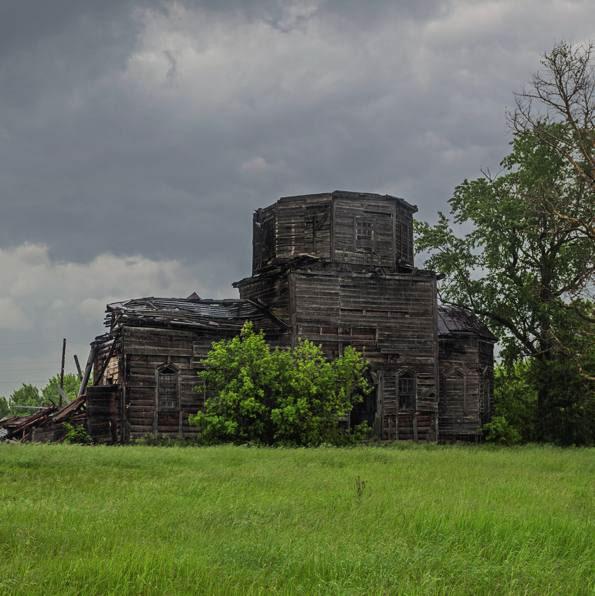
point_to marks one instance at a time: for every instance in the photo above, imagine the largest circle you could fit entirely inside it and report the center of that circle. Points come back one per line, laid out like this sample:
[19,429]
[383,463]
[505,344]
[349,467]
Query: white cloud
[29,274]
[12,315]
[43,299]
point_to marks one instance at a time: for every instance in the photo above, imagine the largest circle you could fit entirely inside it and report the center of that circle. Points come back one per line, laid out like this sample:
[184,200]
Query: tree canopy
[518,248]
[27,398]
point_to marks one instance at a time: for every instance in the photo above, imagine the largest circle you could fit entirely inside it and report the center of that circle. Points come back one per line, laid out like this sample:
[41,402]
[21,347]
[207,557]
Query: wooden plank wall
[391,319]
[141,352]
[147,349]
[264,224]
[348,215]
[103,415]
[330,228]
[104,350]
[270,289]
[466,382]
[304,227]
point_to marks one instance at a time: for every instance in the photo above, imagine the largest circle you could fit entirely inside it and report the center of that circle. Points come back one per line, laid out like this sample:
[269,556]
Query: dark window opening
[407,391]
[167,389]
[364,234]
[406,246]
[267,240]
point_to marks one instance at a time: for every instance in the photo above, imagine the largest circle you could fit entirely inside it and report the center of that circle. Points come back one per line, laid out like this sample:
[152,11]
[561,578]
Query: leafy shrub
[281,396]
[500,431]
[76,433]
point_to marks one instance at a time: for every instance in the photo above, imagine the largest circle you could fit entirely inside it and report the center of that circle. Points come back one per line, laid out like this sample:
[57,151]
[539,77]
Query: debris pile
[47,424]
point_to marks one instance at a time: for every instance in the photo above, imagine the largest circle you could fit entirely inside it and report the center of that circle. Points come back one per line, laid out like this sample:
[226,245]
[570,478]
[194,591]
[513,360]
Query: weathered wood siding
[293,227]
[270,289]
[466,381]
[104,413]
[264,224]
[391,320]
[142,352]
[364,232]
[359,229]
[146,350]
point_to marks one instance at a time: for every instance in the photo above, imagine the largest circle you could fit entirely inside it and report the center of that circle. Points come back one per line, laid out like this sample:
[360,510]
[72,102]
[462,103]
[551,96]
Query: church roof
[352,195]
[229,314]
[455,320]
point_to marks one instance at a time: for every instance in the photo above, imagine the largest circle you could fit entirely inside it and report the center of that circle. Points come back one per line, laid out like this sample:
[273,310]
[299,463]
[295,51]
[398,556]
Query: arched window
[407,390]
[167,388]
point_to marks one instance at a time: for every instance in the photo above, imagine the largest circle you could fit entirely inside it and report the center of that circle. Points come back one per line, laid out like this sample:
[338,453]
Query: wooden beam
[87,374]
[62,369]
[78,367]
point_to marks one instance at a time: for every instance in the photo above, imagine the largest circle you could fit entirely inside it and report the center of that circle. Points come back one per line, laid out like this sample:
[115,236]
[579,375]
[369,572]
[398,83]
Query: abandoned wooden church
[336,268]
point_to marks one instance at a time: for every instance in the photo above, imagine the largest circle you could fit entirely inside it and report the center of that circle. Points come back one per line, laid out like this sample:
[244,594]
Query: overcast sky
[137,137]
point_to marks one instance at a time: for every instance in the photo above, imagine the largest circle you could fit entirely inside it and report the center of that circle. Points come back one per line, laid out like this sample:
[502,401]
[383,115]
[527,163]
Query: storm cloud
[137,137]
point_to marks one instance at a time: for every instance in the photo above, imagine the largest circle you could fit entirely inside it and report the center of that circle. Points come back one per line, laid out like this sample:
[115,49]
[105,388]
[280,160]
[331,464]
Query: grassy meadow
[404,519]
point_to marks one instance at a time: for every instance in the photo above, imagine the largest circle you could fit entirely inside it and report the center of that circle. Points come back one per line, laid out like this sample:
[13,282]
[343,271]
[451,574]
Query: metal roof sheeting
[221,314]
[453,320]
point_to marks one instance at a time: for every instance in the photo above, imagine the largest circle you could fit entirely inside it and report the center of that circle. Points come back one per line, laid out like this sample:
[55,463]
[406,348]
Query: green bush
[500,431]
[76,433]
[278,396]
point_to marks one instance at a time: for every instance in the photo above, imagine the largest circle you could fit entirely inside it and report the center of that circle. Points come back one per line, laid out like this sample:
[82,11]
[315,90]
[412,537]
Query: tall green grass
[226,520]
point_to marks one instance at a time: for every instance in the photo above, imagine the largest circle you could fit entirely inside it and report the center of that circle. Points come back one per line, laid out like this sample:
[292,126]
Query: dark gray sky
[137,137]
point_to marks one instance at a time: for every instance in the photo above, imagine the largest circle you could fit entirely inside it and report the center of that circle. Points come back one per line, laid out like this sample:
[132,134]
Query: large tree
[518,248]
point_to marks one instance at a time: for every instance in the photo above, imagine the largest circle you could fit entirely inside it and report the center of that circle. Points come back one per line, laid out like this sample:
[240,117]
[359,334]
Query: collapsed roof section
[224,315]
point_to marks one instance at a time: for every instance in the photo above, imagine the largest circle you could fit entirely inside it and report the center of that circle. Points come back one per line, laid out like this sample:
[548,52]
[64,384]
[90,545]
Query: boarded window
[167,389]
[364,233]
[454,391]
[407,391]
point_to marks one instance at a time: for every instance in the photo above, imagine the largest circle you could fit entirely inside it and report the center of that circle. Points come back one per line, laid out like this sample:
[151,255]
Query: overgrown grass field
[226,520]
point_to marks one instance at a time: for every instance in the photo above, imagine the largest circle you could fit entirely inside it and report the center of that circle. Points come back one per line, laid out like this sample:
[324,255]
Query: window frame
[364,242]
[410,376]
[175,386]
